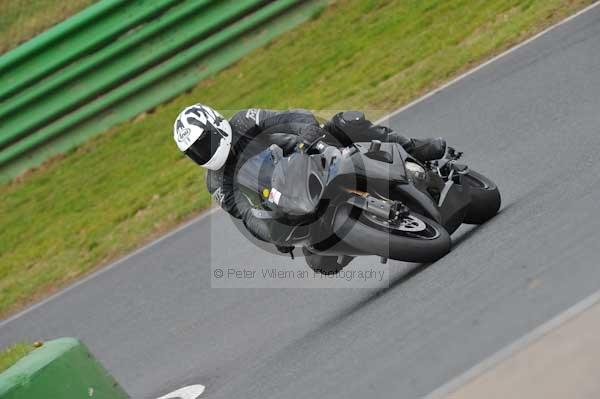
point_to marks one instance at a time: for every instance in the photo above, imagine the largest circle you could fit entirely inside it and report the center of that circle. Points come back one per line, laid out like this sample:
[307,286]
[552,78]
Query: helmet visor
[205,147]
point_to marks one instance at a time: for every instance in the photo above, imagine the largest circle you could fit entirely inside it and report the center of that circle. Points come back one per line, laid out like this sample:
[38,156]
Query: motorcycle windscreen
[292,185]
[254,177]
[298,182]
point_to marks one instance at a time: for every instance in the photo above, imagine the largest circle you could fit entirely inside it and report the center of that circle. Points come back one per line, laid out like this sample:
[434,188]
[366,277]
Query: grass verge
[20,20]
[130,184]
[13,353]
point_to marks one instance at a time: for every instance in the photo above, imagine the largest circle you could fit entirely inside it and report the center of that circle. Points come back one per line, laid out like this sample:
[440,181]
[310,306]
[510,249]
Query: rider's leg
[352,126]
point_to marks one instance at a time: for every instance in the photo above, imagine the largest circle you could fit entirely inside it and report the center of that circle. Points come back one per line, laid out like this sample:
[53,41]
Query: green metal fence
[118,58]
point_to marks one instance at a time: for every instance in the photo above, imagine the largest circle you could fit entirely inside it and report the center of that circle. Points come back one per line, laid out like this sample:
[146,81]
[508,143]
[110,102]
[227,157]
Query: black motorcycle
[366,199]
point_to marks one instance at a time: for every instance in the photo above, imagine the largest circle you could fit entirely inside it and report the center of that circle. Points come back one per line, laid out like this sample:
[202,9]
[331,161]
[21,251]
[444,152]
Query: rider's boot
[427,149]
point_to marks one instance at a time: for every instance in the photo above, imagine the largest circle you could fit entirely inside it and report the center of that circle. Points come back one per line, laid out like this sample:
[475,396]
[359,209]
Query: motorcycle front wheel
[414,239]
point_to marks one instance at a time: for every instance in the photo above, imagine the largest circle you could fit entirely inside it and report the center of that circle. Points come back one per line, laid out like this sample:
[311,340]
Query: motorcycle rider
[222,146]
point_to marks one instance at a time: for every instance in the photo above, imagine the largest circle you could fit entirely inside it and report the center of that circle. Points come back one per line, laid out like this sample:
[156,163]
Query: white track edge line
[514,347]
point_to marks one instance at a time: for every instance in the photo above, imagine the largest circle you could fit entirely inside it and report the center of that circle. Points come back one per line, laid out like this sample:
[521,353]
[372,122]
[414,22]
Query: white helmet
[203,135]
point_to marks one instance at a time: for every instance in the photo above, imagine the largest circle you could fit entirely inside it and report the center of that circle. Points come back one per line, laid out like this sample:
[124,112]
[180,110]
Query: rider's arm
[221,195]
[253,122]
[272,127]
[227,195]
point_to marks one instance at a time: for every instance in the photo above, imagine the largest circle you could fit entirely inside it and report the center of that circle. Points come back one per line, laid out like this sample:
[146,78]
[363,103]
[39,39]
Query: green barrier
[102,56]
[62,368]
[87,31]
[128,64]
[61,31]
[145,67]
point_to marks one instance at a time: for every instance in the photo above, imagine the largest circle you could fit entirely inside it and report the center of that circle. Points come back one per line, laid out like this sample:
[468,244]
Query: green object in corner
[62,368]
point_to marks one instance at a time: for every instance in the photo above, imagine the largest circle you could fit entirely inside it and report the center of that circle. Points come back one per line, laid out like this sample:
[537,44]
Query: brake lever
[453,154]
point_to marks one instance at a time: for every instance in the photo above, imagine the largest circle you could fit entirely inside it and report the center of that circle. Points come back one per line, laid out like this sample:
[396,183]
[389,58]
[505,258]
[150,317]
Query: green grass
[20,20]
[129,184]
[12,354]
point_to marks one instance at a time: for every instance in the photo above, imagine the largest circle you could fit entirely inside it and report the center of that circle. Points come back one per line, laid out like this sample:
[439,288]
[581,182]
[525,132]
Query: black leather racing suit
[254,130]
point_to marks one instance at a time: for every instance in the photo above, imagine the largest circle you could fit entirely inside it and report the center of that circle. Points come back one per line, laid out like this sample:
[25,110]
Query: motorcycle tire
[369,234]
[485,198]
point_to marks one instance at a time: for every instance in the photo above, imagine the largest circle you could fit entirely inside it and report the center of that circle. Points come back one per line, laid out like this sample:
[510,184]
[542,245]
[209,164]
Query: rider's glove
[286,141]
[310,134]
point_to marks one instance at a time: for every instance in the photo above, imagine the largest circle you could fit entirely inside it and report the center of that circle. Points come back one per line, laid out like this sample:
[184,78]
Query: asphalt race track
[530,120]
